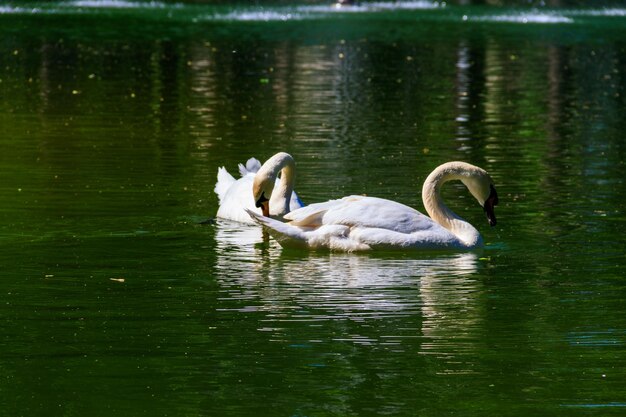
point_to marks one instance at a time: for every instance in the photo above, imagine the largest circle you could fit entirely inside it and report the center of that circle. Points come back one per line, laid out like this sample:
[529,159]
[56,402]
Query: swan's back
[225,180]
[362,211]
[236,198]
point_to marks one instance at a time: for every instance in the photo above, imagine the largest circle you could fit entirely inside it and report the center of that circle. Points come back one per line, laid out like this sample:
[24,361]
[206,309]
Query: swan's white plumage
[363,223]
[356,223]
[235,195]
[224,182]
[252,166]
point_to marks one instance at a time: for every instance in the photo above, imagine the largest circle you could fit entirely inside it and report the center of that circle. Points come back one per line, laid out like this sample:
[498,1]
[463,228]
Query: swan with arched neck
[237,195]
[359,223]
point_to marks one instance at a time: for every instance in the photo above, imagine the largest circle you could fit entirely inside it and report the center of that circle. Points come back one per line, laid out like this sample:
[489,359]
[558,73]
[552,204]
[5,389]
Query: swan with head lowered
[359,223]
[275,196]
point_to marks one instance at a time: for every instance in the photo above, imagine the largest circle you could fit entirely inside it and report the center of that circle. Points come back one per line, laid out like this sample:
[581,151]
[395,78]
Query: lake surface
[120,296]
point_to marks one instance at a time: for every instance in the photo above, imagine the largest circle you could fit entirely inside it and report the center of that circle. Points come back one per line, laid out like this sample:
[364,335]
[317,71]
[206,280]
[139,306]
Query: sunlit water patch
[119,4]
[538,18]
[378,6]
[18,10]
[423,11]
[608,12]
[259,16]
[596,405]
[85,7]
[597,338]
[315,12]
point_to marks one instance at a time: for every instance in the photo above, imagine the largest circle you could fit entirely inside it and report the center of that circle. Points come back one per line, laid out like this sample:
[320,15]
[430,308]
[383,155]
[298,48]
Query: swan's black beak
[264,204]
[491,202]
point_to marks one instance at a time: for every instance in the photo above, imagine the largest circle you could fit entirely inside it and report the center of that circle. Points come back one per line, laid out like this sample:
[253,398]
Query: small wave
[258,16]
[17,10]
[602,12]
[524,18]
[403,5]
[566,16]
[116,4]
[596,405]
[318,11]
[371,7]
[75,6]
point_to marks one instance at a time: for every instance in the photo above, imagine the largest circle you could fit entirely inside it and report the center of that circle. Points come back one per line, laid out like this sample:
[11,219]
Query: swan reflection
[437,294]
[237,237]
[452,320]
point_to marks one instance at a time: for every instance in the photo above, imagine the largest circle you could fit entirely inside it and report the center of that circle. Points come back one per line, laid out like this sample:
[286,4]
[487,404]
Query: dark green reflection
[119,298]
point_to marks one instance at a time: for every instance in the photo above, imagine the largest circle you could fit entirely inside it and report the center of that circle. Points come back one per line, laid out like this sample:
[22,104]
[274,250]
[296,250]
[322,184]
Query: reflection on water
[453,325]
[428,11]
[438,292]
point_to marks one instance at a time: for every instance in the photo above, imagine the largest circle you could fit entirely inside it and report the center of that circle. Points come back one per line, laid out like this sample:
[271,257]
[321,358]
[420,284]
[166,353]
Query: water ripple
[421,10]
[119,4]
[539,18]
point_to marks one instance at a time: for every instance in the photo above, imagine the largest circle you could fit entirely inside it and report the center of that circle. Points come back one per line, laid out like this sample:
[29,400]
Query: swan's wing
[224,182]
[237,198]
[362,211]
[251,167]
[315,210]
[372,212]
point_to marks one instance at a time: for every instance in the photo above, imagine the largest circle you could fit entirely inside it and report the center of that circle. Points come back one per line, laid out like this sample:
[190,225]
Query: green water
[119,298]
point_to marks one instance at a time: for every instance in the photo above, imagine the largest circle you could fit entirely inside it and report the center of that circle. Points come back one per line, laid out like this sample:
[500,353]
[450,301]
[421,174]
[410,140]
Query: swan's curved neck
[281,196]
[439,212]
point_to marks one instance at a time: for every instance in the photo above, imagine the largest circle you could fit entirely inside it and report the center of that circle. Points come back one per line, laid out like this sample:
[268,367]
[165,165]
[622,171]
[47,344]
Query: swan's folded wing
[311,211]
[224,182]
[237,197]
[372,212]
[314,220]
[362,211]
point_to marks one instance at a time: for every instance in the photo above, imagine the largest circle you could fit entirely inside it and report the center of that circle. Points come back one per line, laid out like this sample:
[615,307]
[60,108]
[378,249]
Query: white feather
[252,166]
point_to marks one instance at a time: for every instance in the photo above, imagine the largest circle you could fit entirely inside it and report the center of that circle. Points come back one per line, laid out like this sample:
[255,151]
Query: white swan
[358,223]
[236,195]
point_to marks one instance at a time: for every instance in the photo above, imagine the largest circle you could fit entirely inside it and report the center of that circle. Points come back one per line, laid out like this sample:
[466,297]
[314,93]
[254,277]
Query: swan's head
[265,180]
[262,189]
[480,185]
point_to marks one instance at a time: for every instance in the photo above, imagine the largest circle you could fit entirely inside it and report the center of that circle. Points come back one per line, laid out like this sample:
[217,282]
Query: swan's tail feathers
[285,234]
[251,167]
[224,182]
[258,218]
